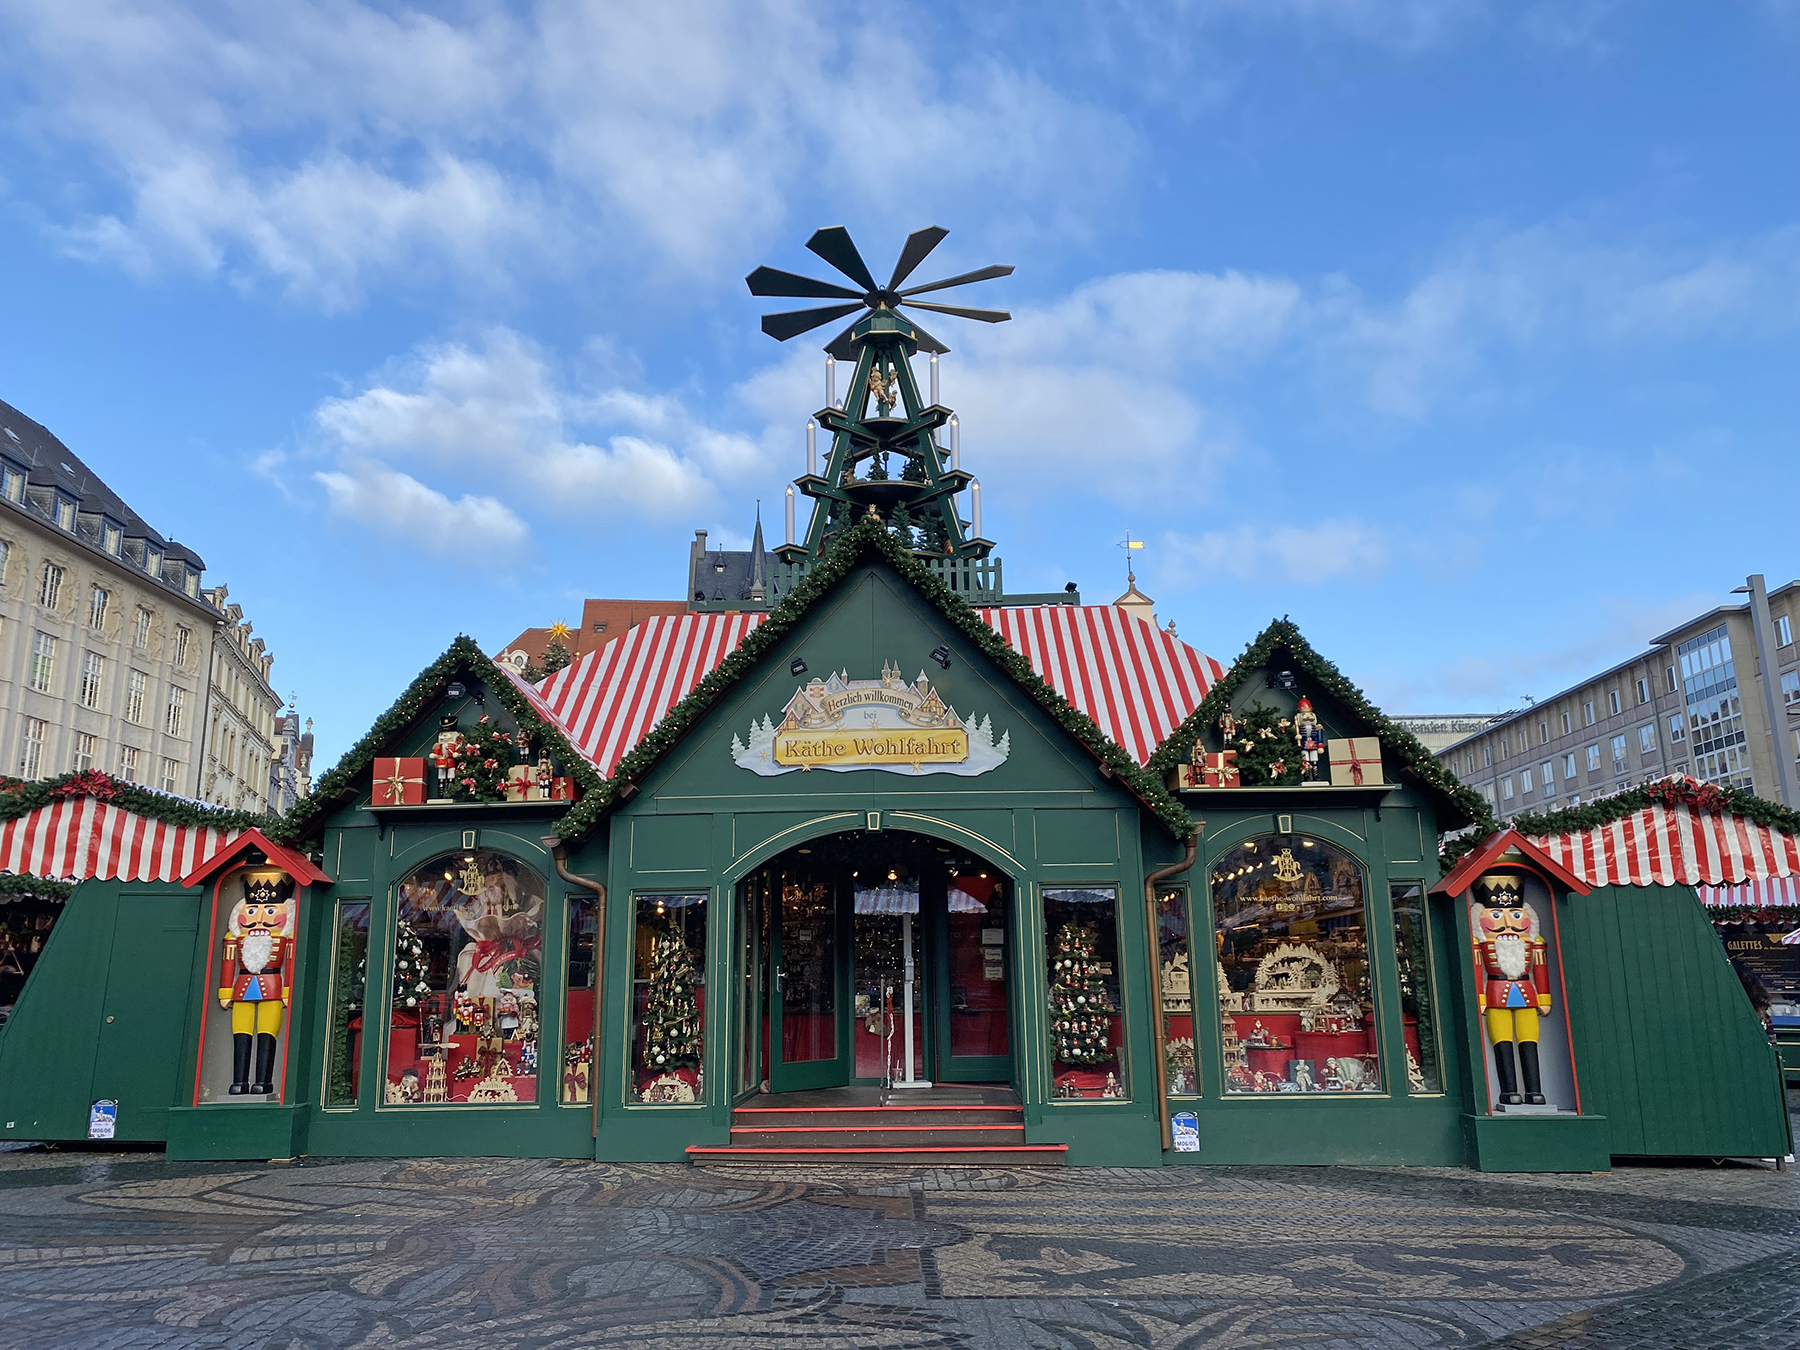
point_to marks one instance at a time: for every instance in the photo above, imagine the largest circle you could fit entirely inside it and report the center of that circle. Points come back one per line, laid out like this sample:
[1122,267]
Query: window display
[976,928]
[463,1016]
[578,1002]
[244,1051]
[1175,961]
[1296,1010]
[1087,1026]
[1418,1009]
[668,999]
[349,978]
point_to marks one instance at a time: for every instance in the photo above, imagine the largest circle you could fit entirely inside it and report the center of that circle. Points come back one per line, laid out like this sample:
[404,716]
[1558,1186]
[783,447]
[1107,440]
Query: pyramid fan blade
[841,347]
[773,281]
[794,322]
[927,343]
[833,245]
[918,246]
[985,315]
[979,274]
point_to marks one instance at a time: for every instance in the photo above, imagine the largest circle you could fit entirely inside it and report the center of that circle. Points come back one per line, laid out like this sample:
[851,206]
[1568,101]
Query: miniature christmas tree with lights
[672,1013]
[412,970]
[1079,1011]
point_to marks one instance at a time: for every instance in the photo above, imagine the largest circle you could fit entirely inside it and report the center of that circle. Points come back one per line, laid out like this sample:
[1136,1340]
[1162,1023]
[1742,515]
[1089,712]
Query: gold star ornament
[559,631]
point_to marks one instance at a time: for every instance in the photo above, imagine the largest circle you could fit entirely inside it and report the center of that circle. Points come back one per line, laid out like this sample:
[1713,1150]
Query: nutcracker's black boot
[1503,1067]
[240,1063]
[1528,1073]
[265,1065]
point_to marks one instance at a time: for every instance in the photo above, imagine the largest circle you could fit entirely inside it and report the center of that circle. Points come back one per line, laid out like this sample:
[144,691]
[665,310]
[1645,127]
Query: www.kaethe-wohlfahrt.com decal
[840,724]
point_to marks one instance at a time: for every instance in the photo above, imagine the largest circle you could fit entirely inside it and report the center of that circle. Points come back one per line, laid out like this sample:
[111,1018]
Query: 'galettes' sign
[839,723]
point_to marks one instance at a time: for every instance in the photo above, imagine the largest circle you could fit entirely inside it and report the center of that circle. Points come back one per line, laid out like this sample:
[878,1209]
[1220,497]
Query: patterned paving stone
[101,1250]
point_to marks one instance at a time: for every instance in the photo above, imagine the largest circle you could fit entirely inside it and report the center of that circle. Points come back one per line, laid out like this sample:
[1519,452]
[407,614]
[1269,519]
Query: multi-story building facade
[290,776]
[241,711]
[1693,703]
[105,636]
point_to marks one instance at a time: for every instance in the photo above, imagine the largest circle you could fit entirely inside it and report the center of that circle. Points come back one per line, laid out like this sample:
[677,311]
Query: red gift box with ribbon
[1220,770]
[1355,762]
[399,782]
[562,789]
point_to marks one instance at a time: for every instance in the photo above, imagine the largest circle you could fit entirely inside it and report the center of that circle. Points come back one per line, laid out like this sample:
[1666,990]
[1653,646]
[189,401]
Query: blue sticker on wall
[1184,1131]
[103,1119]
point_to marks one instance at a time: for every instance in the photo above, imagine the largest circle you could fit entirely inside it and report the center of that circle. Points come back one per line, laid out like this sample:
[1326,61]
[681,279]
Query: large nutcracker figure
[1309,735]
[258,965]
[1514,984]
[443,754]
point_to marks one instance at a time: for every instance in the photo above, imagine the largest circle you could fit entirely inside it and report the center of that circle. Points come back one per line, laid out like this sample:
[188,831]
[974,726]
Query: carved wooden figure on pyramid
[257,978]
[1513,988]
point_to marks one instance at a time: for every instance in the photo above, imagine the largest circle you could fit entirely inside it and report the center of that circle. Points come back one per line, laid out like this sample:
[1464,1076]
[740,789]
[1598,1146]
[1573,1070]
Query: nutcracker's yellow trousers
[262,1015]
[1512,1024]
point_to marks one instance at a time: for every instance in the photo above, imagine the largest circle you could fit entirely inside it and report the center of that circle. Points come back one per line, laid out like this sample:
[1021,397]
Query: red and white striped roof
[1675,845]
[1136,681]
[75,838]
[1766,893]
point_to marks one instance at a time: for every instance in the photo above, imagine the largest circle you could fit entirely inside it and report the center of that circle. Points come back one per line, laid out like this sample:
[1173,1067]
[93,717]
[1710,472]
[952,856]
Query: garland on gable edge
[1283,635]
[425,690]
[849,550]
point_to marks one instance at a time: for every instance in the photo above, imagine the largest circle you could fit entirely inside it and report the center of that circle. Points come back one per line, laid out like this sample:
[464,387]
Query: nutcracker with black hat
[1514,987]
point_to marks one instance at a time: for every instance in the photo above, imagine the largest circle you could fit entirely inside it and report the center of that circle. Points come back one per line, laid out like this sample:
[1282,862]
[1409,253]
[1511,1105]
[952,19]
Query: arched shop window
[668,998]
[1087,1023]
[467,969]
[1297,1014]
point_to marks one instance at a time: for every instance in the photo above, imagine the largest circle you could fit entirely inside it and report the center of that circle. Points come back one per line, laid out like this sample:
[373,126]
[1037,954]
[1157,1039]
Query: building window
[1543,733]
[1647,739]
[136,685]
[12,483]
[1563,718]
[1294,954]
[43,662]
[140,628]
[181,647]
[65,513]
[668,998]
[153,563]
[192,584]
[1087,1020]
[600,626]
[31,747]
[171,774]
[1677,728]
[128,763]
[1618,754]
[5,558]
[1612,701]
[1587,713]
[83,758]
[463,1013]
[577,1063]
[112,537]
[1593,758]
[1669,685]
[1487,754]
[1505,746]
[1715,713]
[349,978]
[1546,771]
[1487,793]
[1643,690]
[93,667]
[1784,631]
[1175,964]
[50,589]
[1569,766]
[1468,764]
[1525,781]
[1506,789]
[1418,1005]
[1790,687]
[97,603]
[175,719]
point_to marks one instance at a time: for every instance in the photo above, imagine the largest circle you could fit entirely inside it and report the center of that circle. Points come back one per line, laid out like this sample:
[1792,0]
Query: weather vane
[1128,543]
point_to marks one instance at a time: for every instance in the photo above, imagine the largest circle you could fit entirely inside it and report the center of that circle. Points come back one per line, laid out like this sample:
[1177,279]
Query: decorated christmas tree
[1078,1007]
[672,1014]
[1268,755]
[483,762]
[412,970]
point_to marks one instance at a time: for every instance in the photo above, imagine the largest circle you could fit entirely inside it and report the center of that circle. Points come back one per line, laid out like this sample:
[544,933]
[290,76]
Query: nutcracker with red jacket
[1309,735]
[443,753]
[257,977]
[1513,988]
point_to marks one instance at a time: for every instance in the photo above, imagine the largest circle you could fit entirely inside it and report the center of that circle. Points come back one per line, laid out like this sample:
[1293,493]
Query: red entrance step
[939,1135]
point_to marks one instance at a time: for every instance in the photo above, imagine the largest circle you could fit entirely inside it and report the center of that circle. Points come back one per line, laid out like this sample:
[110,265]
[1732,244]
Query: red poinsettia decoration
[88,783]
[1679,790]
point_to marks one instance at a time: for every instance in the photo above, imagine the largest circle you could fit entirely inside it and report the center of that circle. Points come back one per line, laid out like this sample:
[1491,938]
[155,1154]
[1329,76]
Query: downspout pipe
[559,854]
[1158,1026]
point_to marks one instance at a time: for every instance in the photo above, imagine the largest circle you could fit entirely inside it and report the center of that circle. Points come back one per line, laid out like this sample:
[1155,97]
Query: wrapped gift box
[562,789]
[399,782]
[1355,762]
[521,784]
[1220,770]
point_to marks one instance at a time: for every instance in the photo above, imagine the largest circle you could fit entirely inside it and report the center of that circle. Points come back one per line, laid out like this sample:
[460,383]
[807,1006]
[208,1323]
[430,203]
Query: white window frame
[181,645]
[43,662]
[175,715]
[1647,739]
[1547,771]
[1593,757]
[1618,747]
[34,734]
[1613,702]
[1784,631]
[93,677]
[140,628]
[1565,721]
[128,763]
[171,775]
[1587,713]
[81,751]
[99,602]
[137,685]
[50,586]
[1643,690]
[1569,766]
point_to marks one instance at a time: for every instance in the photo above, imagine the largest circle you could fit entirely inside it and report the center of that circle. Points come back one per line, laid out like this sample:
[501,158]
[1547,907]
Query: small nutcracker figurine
[259,963]
[1228,729]
[1310,737]
[443,753]
[1513,988]
[544,776]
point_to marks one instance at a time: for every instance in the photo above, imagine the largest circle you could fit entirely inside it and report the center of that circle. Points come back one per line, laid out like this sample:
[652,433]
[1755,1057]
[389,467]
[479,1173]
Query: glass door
[972,959]
[809,1041]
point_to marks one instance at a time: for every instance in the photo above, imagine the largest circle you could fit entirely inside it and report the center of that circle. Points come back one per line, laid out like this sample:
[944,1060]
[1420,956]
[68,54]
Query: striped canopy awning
[1764,893]
[887,900]
[1136,681]
[1675,845]
[76,838]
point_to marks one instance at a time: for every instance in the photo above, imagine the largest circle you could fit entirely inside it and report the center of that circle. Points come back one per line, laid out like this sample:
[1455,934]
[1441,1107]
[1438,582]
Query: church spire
[758,583]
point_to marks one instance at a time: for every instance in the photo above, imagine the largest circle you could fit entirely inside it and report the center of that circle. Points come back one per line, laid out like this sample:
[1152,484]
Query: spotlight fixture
[1280,679]
[1069,587]
[796,667]
[941,654]
[456,689]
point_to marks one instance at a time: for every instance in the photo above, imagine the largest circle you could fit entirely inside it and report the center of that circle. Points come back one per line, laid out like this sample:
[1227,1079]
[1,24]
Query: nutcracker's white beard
[1509,955]
[255,950]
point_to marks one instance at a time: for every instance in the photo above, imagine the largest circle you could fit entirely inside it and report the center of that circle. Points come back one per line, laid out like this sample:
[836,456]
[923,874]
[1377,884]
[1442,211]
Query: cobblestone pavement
[130,1250]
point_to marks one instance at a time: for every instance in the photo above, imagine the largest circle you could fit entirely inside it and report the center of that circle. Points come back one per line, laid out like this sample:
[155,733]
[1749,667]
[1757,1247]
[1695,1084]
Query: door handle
[780,974]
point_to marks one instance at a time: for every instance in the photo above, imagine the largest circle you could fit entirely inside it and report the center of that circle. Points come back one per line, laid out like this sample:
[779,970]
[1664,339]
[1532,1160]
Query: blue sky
[1463,333]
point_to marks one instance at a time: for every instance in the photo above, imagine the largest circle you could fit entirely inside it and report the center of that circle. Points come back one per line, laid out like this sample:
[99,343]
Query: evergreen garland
[19,797]
[43,887]
[463,658]
[412,969]
[1079,1011]
[1676,790]
[1268,755]
[671,1023]
[1281,647]
[852,546]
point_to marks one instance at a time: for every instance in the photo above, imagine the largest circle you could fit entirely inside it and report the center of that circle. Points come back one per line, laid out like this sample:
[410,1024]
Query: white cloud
[408,515]
[1306,555]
